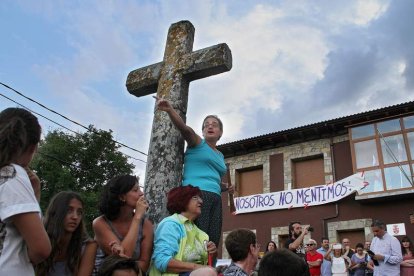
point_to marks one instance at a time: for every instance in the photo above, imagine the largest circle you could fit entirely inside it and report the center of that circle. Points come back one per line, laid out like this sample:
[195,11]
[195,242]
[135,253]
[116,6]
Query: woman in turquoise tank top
[204,167]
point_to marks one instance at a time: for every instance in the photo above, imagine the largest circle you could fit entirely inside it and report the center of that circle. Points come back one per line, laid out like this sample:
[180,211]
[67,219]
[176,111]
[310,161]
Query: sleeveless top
[100,254]
[204,167]
[339,266]
[360,271]
[60,269]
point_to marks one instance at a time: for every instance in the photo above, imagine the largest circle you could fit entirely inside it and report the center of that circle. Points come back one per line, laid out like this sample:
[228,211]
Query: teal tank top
[204,167]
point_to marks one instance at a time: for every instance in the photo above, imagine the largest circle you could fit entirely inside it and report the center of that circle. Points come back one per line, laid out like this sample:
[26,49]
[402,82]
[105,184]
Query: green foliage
[82,163]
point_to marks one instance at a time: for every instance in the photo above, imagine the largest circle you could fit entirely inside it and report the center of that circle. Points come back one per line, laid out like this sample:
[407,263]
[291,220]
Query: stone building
[377,143]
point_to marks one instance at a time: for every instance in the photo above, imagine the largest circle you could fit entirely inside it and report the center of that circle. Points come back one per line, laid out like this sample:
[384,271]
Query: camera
[310,228]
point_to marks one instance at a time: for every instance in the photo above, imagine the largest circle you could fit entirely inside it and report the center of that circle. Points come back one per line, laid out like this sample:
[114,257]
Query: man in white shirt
[386,250]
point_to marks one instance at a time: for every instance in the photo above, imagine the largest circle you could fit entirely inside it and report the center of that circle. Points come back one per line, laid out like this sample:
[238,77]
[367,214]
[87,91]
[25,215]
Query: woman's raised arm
[189,135]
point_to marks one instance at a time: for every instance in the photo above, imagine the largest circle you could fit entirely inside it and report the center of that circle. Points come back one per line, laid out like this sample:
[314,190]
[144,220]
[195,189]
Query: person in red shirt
[313,258]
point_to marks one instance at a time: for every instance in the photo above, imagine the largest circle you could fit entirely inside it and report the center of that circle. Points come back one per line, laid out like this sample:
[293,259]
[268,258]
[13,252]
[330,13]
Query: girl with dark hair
[23,239]
[407,249]
[204,167]
[73,253]
[180,247]
[271,246]
[360,264]
[121,230]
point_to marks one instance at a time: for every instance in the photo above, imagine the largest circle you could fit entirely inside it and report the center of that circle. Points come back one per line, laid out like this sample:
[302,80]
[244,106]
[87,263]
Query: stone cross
[171,78]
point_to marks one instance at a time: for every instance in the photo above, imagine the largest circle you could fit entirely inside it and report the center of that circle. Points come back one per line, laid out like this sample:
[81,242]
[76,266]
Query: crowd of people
[184,243]
[58,244]
[383,255]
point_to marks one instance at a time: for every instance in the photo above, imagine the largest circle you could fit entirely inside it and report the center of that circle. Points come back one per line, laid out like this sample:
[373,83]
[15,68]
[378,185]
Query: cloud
[269,60]
[368,61]
[88,82]
[359,13]
[364,66]
[294,62]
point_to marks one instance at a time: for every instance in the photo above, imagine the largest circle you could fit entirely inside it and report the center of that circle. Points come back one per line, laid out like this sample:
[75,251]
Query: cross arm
[208,61]
[144,81]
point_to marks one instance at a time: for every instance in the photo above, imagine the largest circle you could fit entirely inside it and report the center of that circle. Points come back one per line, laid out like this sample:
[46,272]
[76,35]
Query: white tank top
[338,266]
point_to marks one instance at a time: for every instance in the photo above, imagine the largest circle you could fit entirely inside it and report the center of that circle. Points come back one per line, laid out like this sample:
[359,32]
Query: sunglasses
[310,244]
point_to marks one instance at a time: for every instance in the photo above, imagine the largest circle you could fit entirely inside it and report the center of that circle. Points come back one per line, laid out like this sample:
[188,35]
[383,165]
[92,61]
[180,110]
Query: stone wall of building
[355,224]
[290,153]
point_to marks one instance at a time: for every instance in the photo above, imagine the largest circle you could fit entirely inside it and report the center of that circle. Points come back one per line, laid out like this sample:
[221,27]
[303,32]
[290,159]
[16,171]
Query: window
[363,131]
[410,137]
[384,151]
[397,177]
[366,154]
[388,126]
[393,149]
[374,178]
[249,181]
[308,172]
[409,122]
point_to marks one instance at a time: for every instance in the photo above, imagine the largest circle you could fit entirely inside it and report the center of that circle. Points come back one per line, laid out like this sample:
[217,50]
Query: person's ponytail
[19,129]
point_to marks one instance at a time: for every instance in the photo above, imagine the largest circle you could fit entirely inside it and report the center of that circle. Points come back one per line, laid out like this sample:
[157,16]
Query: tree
[82,163]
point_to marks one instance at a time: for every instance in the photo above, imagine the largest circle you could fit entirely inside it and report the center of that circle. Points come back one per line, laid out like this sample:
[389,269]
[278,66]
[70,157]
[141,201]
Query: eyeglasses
[197,198]
[214,125]
[310,244]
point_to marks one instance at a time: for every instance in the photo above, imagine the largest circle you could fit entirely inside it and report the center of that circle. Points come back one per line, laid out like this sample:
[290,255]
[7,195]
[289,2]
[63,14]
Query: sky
[294,62]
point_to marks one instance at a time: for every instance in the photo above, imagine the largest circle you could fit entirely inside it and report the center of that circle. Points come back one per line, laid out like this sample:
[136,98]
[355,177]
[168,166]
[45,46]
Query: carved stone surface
[171,79]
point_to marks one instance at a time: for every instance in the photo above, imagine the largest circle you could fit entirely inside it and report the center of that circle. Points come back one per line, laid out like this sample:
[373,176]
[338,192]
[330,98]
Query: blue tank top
[204,167]
[60,269]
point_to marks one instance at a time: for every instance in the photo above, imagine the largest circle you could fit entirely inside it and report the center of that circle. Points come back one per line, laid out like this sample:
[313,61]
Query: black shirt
[300,251]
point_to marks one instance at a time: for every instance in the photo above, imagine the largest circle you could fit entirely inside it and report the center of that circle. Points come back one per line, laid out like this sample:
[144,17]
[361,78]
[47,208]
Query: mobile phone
[376,263]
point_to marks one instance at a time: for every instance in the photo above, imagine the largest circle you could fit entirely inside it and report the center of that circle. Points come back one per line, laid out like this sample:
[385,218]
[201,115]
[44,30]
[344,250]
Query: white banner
[316,195]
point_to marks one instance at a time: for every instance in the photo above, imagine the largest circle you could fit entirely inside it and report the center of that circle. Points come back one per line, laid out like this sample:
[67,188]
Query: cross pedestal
[171,78]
